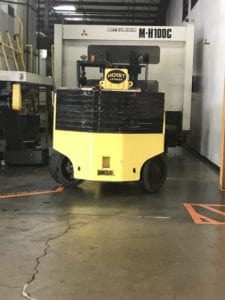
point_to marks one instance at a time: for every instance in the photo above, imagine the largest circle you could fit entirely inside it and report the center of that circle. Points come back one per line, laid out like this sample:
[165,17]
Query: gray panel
[121,54]
[25,77]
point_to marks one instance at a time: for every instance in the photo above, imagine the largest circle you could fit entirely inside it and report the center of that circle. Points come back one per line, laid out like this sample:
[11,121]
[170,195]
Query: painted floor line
[58,189]
[201,219]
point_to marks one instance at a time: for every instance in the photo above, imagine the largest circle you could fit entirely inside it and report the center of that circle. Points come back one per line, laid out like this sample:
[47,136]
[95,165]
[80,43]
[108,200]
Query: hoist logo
[116,76]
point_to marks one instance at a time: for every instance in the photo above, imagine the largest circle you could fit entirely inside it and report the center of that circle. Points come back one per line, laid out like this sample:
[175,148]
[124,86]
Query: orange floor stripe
[59,189]
[201,219]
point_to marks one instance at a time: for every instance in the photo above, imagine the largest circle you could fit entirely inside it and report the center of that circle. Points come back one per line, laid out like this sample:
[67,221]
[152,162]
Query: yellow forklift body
[108,156]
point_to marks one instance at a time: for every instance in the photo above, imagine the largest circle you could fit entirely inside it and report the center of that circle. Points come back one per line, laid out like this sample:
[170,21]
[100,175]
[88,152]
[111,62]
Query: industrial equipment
[172,74]
[116,126]
[25,97]
[114,130]
[20,124]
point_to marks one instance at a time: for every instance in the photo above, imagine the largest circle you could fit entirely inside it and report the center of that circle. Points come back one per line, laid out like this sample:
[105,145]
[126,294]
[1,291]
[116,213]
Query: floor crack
[25,294]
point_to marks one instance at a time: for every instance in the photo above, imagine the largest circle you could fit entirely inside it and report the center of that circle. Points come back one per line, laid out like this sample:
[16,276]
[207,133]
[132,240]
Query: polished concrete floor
[110,241]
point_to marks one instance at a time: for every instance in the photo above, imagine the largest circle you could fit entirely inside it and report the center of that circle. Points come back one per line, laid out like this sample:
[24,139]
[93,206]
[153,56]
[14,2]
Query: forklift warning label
[116,76]
[155,33]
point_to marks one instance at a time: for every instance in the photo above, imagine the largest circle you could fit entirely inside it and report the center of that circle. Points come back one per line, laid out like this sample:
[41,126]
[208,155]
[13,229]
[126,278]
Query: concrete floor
[110,241]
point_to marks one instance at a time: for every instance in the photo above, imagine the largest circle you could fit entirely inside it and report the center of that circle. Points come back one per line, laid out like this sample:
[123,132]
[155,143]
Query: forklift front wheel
[61,170]
[153,174]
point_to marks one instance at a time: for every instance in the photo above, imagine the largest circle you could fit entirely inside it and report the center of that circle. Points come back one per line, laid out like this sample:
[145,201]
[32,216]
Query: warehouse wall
[6,24]
[9,23]
[209,66]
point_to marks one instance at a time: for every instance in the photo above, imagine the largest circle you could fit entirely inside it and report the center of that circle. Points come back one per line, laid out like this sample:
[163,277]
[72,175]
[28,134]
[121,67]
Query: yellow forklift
[111,132]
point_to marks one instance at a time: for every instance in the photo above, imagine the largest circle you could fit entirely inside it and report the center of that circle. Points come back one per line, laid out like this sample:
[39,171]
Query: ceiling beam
[105,3]
[104,16]
[108,11]
[110,22]
[102,12]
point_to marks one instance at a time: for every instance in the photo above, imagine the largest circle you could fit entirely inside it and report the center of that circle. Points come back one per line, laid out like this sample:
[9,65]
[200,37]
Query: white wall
[209,66]
[6,24]
[9,23]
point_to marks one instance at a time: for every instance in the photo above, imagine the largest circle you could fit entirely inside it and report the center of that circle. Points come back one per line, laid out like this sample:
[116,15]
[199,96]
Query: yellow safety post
[4,52]
[20,53]
[20,32]
[30,47]
[52,59]
[13,50]
[21,40]
[16,97]
[1,65]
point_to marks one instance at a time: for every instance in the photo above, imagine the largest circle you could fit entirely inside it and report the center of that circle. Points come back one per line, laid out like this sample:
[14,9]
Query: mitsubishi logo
[84,33]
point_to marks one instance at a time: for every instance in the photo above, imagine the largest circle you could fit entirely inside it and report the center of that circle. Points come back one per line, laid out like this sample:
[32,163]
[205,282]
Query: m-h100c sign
[155,33]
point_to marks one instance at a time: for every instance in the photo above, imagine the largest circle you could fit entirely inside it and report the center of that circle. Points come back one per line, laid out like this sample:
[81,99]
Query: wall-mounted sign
[155,33]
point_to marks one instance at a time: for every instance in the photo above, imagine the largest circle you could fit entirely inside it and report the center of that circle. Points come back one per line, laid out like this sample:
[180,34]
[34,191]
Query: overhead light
[73,19]
[41,33]
[64,8]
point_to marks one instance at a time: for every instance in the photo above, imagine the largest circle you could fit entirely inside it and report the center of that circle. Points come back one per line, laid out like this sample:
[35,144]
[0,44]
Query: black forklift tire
[59,170]
[153,174]
[53,165]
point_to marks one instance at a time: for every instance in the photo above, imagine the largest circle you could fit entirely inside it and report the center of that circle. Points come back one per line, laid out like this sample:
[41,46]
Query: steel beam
[109,11]
[112,22]
[25,77]
[105,3]
[109,17]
